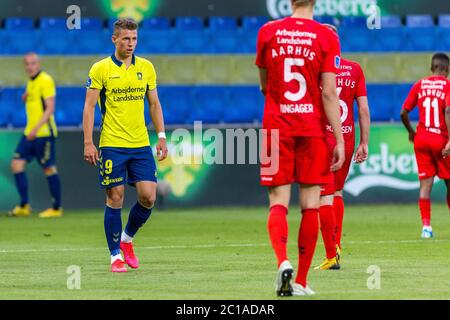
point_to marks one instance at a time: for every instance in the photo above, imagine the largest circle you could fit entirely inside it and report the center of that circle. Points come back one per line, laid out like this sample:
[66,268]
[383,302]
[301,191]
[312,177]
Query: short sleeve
[48,88]
[151,82]
[411,101]
[261,49]
[95,79]
[332,54]
[361,89]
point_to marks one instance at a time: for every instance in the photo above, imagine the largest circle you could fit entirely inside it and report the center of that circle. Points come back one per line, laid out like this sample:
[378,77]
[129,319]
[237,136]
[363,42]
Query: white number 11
[428,104]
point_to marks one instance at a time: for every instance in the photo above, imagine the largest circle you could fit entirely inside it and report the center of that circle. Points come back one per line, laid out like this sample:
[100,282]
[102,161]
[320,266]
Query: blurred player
[39,138]
[294,54]
[351,86]
[120,83]
[431,143]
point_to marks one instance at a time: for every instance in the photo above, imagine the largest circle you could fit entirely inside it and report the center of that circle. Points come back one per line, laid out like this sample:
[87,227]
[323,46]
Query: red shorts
[338,178]
[430,162]
[303,160]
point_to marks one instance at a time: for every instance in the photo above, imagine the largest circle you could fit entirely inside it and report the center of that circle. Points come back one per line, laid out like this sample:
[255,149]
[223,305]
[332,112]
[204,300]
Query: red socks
[307,239]
[338,206]
[277,227]
[425,211]
[327,226]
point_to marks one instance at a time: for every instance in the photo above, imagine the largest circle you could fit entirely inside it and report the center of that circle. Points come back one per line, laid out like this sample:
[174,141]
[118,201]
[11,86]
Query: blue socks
[55,190]
[137,218]
[22,187]
[113,229]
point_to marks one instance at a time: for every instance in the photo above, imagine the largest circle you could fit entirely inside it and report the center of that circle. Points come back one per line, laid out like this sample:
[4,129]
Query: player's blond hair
[303,3]
[124,24]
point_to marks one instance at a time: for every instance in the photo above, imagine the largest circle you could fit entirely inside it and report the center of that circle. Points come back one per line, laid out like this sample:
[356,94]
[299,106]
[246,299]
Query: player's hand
[161,149]
[24,97]
[91,154]
[446,150]
[412,135]
[338,157]
[362,153]
[32,135]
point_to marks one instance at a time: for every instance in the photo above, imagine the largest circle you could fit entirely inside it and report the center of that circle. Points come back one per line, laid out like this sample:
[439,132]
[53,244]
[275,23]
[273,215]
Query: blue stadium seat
[97,117]
[110,23]
[389,40]
[354,22]
[21,42]
[443,39]
[401,92]
[419,21]
[356,39]
[57,42]
[192,41]
[381,100]
[246,105]
[421,39]
[156,41]
[444,21]
[69,106]
[327,20]
[391,22]
[209,104]
[93,42]
[176,102]
[189,23]
[53,23]
[19,23]
[222,23]
[4,40]
[9,103]
[253,23]
[227,41]
[155,23]
[91,24]
[248,41]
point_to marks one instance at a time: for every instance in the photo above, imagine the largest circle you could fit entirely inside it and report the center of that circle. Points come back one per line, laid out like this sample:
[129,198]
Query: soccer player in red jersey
[431,142]
[294,56]
[351,86]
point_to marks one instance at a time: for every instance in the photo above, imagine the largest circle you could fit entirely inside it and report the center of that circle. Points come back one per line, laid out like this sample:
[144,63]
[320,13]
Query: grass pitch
[222,253]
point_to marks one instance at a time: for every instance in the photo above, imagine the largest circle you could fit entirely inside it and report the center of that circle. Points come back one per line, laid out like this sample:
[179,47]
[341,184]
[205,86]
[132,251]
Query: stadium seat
[419,21]
[391,22]
[156,41]
[222,23]
[356,39]
[401,92]
[218,69]
[91,24]
[69,106]
[246,105]
[327,20]
[354,22]
[93,42]
[209,104]
[18,116]
[381,100]
[21,42]
[444,21]
[57,42]
[192,41]
[388,40]
[9,103]
[443,39]
[53,23]
[227,41]
[248,41]
[19,24]
[4,41]
[421,38]
[189,23]
[155,23]
[176,102]
[382,68]
[253,23]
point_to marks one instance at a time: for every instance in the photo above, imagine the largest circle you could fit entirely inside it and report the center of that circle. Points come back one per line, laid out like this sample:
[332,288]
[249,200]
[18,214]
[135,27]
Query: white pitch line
[209,246]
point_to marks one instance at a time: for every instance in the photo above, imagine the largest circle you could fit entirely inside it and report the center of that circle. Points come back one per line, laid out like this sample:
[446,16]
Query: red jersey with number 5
[295,52]
[351,84]
[432,96]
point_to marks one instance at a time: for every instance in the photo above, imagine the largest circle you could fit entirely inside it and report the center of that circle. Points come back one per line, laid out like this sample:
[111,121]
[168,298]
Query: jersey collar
[37,75]
[119,63]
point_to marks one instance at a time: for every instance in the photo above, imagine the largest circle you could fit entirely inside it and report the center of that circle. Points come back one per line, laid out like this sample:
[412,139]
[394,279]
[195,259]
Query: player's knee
[115,200]
[50,171]
[147,201]
[17,166]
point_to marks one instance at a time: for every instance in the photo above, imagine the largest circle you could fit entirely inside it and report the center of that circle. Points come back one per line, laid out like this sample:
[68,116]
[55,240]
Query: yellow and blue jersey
[122,96]
[39,88]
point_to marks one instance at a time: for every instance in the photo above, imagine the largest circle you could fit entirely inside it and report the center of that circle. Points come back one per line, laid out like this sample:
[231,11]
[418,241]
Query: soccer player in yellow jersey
[120,84]
[39,138]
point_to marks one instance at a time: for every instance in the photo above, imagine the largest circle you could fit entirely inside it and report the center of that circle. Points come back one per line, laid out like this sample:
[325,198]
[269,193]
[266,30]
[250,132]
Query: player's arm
[409,104]
[49,107]
[157,116]
[332,110]
[263,80]
[446,151]
[362,152]
[404,115]
[90,151]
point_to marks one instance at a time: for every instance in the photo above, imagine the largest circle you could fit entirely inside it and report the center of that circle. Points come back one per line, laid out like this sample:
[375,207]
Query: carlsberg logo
[396,171]
[282,8]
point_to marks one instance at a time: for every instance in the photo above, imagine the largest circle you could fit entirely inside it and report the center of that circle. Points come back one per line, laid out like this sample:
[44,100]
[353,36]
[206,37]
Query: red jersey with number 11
[432,96]
[295,52]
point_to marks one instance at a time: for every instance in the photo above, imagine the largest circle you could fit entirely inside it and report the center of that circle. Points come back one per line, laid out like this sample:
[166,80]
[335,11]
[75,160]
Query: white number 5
[289,75]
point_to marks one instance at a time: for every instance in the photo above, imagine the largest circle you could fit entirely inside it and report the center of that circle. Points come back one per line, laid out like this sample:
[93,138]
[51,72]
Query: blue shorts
[118,164]
[41,149]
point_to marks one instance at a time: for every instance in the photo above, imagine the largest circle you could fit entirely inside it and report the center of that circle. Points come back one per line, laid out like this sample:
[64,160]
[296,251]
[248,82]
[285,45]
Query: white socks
[114,258]
[126,238]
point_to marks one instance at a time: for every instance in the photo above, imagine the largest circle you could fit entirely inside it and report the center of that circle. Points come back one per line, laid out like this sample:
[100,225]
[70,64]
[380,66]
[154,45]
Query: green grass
[222,253]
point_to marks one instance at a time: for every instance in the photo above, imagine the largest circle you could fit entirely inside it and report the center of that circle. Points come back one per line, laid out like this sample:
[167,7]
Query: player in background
[351,86]
[120,83]
[39,139]
[294,55]
[431,142]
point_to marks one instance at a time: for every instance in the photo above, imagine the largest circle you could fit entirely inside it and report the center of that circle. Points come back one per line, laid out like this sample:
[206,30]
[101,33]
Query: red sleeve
[332,52]
[261,49]
[361,89]
[411,101]
[447,97]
